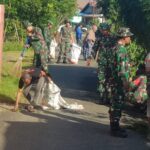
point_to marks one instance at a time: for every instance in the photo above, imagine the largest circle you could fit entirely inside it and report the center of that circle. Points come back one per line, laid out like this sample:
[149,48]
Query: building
[90,12]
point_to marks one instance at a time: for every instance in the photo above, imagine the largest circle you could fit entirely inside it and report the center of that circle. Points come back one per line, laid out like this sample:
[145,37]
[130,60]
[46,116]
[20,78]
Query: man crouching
[31,84]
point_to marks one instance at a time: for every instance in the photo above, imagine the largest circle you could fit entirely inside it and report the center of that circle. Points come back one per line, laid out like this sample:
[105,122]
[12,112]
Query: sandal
[29,108]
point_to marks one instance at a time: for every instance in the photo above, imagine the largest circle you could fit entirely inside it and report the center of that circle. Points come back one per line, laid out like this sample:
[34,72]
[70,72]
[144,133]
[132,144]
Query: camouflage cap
[50,22]
[104,26]
[66,21]
[124,32]
[26,23]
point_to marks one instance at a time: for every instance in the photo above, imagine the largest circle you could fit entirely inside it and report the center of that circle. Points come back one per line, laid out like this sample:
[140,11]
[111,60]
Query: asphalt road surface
[86,129]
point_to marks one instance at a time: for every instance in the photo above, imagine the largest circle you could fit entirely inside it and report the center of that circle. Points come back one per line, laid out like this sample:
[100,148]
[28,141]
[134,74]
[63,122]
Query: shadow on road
[60,132]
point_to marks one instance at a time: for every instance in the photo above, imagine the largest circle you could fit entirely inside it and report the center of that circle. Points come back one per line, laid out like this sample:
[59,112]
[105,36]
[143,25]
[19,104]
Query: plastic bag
[74,54]
[52,48]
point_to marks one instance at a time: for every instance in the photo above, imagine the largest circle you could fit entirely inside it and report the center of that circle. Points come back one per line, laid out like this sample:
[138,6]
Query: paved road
[76,81]
[61,129]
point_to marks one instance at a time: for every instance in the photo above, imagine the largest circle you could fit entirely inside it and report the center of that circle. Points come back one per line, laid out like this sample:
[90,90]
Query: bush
[136,55]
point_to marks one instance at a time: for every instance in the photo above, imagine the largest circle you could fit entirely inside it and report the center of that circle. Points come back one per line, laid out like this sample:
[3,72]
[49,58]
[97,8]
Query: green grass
[9,83]
[12,46]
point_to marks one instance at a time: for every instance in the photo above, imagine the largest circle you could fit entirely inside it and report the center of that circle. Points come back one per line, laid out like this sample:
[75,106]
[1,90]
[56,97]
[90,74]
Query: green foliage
[111,10]
[95,21]
[134,14]
[36,11]
[136,55]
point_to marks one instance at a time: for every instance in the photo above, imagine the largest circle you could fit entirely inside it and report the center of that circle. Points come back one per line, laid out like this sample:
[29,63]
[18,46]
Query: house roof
[90,9]
[82,3]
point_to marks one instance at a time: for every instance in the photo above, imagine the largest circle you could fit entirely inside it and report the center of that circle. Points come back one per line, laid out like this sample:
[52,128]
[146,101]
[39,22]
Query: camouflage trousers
[40,59]
[64,49]
[105,84]
[148,99]
[117,102]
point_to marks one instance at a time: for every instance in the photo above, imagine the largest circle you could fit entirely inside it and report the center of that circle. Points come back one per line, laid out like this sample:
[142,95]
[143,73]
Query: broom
[17,68]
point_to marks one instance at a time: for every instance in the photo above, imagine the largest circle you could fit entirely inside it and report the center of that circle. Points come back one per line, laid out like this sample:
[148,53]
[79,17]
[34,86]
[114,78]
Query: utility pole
[2,10]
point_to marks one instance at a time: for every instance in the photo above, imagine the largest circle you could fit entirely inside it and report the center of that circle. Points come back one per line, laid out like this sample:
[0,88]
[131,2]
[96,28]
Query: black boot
[65,60]
[58,60]
[49,60]
[117,131]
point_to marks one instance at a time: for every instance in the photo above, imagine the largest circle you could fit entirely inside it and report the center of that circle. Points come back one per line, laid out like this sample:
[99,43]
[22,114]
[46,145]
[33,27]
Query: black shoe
[119,133]
[64,61]
[49,60]
[122,129]
[58,60]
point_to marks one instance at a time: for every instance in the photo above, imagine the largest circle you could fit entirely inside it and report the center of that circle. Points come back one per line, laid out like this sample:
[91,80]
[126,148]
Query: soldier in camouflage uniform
[36,40]
[147,70]
[66,40]
[48,36]
[104,48]
[120,77]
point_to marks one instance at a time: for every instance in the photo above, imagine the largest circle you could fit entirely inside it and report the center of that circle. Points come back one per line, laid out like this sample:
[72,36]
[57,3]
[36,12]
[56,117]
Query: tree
[37,11]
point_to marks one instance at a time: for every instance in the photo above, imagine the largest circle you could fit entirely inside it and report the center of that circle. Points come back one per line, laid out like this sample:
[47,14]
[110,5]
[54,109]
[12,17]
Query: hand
[27,46]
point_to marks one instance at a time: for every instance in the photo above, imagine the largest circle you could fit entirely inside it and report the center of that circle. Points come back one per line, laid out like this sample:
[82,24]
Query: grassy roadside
[9,83]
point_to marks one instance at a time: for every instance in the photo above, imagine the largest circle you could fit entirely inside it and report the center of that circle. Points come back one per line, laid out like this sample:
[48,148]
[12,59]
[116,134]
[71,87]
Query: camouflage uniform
[120,80]
[104,45]
[40,49]
[147,69]
[48,36]
[66,34]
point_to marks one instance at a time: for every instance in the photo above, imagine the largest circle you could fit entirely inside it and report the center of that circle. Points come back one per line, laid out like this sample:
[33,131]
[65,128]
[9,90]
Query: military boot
[65,60]
[148,136]
[117,131]
[58,60]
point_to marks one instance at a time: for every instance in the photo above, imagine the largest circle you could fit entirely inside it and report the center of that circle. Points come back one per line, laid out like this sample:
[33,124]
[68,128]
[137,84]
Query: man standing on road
[36,40]
[121,78]
[103,48]
[48,37]
[147,69]
[88,43]
[78,31]
[66,40]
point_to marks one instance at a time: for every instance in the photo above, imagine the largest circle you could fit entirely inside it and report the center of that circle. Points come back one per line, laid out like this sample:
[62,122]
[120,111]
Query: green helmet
[124,32]
[104,26]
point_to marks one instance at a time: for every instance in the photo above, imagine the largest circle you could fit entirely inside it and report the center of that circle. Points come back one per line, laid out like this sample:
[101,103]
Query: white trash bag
[52,48]
[55,100]
[74,54]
